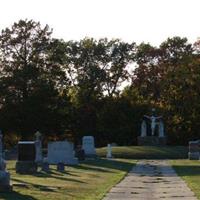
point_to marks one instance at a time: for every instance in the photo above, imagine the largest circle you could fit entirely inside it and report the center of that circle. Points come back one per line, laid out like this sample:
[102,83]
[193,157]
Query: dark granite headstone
[151,141]
[26,158]
[26,151]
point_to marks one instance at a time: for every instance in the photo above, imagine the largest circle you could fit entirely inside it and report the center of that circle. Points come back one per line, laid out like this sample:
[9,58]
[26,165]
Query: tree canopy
[77,87]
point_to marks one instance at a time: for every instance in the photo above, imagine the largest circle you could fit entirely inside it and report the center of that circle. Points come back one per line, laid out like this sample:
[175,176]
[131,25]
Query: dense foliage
[95,87]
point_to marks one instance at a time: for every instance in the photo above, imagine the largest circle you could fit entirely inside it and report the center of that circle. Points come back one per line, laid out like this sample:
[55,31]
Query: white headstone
[61,151]
[38,145]
[109,151]
[161,129]
[143,129]
[88,145]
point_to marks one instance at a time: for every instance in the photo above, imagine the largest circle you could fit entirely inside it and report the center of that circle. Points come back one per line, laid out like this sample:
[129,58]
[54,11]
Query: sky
[137,21]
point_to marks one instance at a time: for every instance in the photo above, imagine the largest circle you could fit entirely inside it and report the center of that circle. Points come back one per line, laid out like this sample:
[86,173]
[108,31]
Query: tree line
[95,87]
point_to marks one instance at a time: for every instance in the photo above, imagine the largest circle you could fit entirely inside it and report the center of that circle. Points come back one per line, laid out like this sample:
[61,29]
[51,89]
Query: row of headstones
[30,155]
[59,153]
[194,150]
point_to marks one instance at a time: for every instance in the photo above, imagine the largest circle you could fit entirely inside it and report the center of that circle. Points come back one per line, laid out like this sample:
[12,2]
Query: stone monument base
[5,181]
[194,155]
[26,167]
[151,141]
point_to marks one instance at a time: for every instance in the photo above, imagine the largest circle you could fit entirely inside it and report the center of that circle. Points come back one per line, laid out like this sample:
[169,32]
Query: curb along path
[151,180]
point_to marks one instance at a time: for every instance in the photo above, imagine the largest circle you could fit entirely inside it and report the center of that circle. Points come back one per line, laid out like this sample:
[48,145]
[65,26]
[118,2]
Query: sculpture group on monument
[152,130]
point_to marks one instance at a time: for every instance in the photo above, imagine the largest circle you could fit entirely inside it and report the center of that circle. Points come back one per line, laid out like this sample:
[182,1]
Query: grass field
[87,181]
[91,179]
[147,152]
[189,170]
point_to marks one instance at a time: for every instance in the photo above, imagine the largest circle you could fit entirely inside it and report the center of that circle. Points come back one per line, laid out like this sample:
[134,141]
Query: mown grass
[147,152]
[89,180]
[189,170]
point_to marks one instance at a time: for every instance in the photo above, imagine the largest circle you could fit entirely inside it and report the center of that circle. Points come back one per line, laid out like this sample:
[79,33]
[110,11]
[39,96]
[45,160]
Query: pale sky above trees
[130,20]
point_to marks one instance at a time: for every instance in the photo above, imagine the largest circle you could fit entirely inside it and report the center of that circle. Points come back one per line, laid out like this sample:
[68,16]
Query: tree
[120,56]
[30,77]
[180,98]
[153,65]
[148,73]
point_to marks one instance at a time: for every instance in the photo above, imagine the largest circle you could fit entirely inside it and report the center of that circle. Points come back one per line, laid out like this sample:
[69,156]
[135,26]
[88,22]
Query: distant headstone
[61,167]
[26,157]
[45,166]
[88,146]
[194,150]
[114,144]
[109,151]
[38,145]
[4,175]
[79,153]
[143,129]
[61,152]
[161,129]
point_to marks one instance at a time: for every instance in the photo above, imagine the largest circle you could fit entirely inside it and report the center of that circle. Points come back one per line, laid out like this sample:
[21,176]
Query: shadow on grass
[51,174]
[108,165]
[187,170]
[104,165]
[29,185]
[15,196]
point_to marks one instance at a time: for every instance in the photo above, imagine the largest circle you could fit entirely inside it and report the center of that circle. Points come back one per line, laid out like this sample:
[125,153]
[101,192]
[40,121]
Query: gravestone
[88,146]
[109,151]
[45,165]
[79,153]
[38,146]
[26,158]
[4,175]
[61,152]
[194,150]
[61,167]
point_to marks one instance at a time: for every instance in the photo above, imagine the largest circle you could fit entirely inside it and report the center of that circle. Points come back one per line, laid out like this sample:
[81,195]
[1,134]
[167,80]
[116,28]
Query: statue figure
[161,129]
[143,129]
[153,121]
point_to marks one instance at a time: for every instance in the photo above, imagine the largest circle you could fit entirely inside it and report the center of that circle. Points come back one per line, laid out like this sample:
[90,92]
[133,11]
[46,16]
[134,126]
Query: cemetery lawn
[90,180]
[189,170]
[146,152]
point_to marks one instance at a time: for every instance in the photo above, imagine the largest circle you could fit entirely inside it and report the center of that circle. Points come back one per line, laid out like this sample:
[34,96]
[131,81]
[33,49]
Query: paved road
[151,180]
